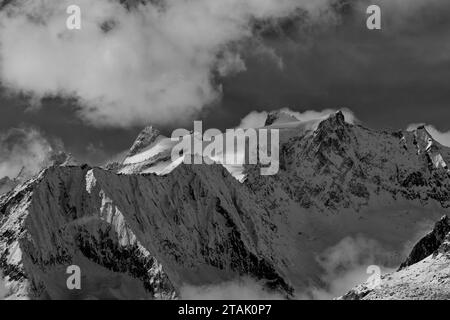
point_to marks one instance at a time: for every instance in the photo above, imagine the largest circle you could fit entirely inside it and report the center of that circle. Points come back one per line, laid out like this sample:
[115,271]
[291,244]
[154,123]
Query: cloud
[257,119]
[441,137]
[345,265]
[25,151]
[152,63]
[242,289]
[254,119]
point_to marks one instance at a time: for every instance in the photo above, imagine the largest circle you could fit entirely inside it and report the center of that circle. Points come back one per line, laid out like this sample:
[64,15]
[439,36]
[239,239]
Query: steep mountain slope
[197,225]
[137,234]
[425,275]
[346,180]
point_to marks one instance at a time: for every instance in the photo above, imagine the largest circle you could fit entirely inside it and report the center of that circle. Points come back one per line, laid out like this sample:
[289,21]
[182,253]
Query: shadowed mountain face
[196,225]
[423,276]
[139,235]
[429,244]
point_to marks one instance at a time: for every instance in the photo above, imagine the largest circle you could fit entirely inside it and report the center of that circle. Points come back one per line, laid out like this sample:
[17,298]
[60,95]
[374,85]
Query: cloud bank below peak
[152,63]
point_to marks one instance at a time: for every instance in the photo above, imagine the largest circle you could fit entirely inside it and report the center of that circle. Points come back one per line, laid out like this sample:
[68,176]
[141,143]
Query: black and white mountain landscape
[137,234]
[358,209]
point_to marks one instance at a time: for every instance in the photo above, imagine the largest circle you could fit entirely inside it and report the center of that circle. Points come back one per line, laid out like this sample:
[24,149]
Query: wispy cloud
[241,289]
[25,150]
[345,266]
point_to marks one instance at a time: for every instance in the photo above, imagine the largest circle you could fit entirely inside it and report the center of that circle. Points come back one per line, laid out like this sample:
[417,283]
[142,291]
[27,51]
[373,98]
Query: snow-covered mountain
[196,225]
[151,226]
[424,274]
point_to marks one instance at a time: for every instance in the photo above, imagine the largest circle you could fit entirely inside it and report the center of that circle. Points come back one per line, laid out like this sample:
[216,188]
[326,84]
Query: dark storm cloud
[389,78]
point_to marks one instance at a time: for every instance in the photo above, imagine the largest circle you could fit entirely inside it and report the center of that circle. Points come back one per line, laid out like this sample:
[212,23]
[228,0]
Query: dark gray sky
[388,78]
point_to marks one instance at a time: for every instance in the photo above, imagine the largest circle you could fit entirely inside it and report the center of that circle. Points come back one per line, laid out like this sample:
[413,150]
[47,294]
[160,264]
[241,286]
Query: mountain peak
[336,120]
[63,159]
[279,116]
[144,139]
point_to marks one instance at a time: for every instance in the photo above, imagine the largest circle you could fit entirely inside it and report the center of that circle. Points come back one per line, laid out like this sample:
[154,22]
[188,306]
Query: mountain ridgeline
[146,227]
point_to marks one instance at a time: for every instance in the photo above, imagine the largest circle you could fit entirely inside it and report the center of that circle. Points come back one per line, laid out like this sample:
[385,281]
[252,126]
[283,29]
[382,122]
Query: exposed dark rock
[429,244]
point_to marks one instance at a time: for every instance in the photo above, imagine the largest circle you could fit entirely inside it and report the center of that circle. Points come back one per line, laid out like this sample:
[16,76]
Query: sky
[168,63]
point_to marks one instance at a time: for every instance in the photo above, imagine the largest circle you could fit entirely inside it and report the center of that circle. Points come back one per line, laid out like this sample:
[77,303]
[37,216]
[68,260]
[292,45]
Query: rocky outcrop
[429,244]
[423,276]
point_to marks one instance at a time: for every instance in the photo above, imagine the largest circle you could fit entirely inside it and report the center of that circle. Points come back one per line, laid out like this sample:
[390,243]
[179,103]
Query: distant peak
[279,116]
[144,139]
[63,159]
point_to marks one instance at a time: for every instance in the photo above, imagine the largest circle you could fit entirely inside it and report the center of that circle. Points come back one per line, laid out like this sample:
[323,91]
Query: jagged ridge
[198,225]
[162,231]
[424,275]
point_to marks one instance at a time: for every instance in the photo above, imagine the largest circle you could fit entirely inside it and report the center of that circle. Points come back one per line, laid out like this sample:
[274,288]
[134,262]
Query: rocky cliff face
[141,235]
[342,166]
[156,233]
[429,244]
[424,275]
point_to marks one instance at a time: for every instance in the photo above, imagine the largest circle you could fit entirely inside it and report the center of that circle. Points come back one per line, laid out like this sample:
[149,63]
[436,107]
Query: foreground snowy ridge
[100,222]
[424,275]
[137,234]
